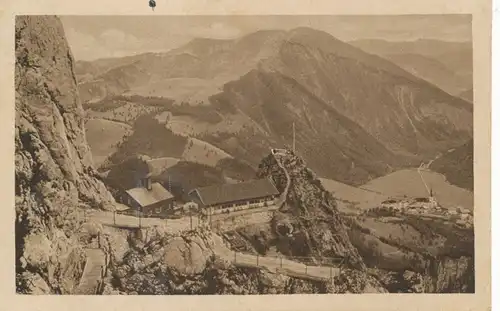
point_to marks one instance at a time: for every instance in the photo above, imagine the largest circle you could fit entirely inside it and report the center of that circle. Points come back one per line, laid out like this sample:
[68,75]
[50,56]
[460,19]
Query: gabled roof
[219,194]
[147,197]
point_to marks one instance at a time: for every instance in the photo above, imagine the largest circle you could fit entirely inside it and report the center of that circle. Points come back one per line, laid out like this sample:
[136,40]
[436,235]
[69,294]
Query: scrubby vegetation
[459,242]
[151,138]
[236,169]
[458,166]
[199,112]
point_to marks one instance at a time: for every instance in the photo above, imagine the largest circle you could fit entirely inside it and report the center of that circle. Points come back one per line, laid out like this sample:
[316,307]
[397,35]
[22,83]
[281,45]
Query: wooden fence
[295,266]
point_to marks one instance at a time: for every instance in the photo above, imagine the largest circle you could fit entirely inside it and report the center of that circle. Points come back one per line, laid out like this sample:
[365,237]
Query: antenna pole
[293,146]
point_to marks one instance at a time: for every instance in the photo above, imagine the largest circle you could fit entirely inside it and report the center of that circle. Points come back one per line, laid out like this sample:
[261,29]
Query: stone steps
[92,273]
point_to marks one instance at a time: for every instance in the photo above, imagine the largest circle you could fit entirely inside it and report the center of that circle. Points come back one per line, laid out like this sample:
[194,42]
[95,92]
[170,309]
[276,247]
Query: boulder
[91,229]
[186,257]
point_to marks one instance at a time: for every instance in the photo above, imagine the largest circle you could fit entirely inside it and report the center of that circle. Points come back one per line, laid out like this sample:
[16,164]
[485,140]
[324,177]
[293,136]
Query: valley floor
[406,182]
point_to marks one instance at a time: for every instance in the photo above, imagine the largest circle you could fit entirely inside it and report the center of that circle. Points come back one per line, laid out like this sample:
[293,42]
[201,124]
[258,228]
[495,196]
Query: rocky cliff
[451,275]
[443,275]
[54,174]
[311,213]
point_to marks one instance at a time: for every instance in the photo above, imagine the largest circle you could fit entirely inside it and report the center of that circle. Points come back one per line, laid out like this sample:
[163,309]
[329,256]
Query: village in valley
[428,207]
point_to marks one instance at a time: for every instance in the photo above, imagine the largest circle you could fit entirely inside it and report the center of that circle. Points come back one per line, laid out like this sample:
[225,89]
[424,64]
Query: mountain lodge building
[228,198]
[148,198]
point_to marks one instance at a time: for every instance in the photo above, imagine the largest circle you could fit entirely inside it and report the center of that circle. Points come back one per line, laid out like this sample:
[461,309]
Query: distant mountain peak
[206,40]
[264,32]
[309,30]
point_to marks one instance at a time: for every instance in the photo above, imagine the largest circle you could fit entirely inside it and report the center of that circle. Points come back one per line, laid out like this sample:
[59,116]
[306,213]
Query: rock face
[311,210]
[186,256]
[54,172]
[443,275]
[450,275]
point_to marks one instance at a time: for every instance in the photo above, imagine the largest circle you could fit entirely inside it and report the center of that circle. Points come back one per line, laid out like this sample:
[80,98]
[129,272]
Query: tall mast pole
[293,146]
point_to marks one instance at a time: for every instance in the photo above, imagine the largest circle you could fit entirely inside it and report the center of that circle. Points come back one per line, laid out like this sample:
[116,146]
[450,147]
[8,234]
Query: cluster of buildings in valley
[428,206]
[154,200]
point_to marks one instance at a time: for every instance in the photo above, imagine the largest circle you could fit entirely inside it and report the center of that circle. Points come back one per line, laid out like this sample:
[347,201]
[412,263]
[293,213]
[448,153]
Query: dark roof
[147,197]
[219,194]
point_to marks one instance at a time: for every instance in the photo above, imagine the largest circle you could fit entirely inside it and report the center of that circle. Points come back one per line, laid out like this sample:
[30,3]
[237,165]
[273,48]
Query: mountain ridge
[456,57]
[265,76]
[431,70]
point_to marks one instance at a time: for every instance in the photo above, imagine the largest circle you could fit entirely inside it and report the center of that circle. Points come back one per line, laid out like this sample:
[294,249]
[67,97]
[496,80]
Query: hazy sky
[92,37]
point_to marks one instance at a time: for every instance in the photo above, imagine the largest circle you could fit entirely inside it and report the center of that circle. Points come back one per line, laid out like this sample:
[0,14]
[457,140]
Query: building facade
[150,199]
[229,198]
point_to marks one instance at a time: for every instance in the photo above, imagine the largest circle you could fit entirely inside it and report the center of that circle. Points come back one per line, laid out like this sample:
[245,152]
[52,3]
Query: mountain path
[93,272]
[282,152]
[284,266]
[280,265]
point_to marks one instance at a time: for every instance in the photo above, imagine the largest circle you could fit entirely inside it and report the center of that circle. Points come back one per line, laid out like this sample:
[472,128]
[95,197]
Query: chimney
[147,183]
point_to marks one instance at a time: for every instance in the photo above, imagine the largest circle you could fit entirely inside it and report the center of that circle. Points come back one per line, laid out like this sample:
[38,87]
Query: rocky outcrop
[442,275]
[54,173]
[450,275]
[158,263]
[187,256]
[357,282]
[402,281]
[318,230]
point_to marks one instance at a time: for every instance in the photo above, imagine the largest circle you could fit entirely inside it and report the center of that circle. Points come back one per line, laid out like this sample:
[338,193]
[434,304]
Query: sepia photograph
[244,155]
